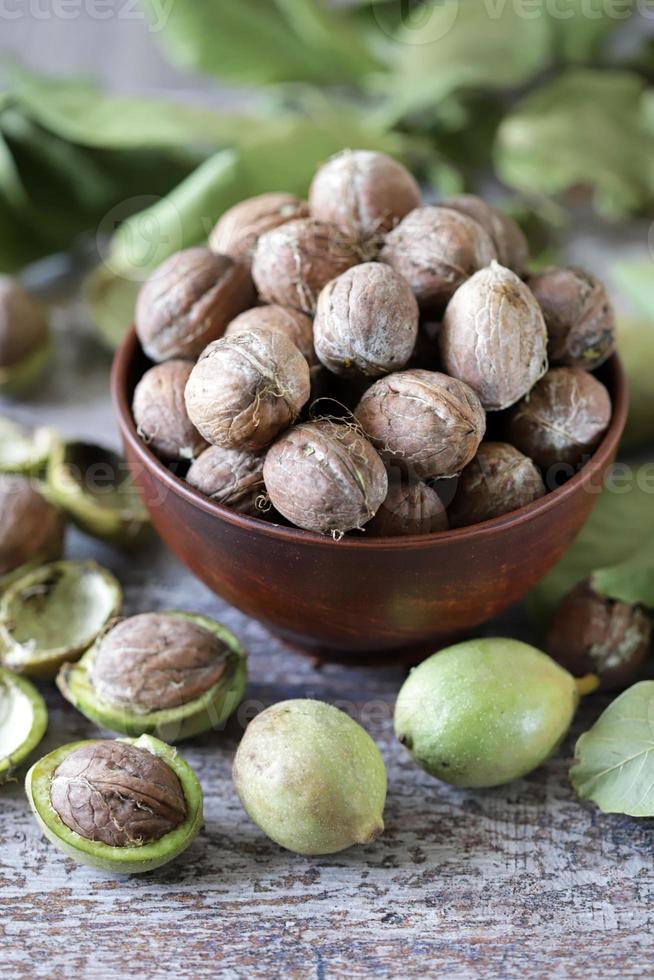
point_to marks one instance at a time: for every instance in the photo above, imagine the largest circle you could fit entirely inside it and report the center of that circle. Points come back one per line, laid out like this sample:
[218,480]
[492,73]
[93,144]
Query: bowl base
[408,656]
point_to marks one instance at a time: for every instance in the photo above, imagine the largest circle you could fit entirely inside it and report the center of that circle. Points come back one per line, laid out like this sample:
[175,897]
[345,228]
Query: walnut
[23,324]
[188,301]
[426,423]
[562,419]
[366,322]
[509,241]
[160,413]
[246,388]
[579,317]
[30,527]
[436,249]
[297,326]
[411,507]
[231,477]
[239,229]
[499,480]
[325,476]
[494,337]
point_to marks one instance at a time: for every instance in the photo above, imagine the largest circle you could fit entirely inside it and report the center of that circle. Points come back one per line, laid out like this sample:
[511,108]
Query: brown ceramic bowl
[362,597]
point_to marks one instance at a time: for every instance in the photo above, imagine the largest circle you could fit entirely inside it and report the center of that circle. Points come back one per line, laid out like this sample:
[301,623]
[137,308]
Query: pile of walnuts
[336,363]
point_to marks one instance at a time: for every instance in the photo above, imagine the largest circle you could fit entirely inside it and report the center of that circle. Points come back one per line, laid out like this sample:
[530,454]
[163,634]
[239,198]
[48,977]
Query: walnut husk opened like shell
[436,249]
[231,477]
[499,480]
[366,322]
[247,388]
[160,413]
[425,422]
[325,476]
[494,337]
[239,229]
[188,301]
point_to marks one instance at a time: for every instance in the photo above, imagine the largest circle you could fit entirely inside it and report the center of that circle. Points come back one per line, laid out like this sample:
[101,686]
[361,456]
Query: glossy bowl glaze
[358,597]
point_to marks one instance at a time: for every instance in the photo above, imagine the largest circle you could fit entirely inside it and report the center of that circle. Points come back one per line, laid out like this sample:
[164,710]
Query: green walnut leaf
[636,345]
[630,581]
[614,761]
[446,46]
[591,128]
[582,26]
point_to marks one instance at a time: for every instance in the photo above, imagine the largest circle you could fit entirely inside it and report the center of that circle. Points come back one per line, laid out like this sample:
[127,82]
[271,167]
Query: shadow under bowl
[362,599]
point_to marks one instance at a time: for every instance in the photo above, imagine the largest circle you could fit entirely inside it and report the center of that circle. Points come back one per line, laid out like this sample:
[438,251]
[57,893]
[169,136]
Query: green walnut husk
[210,710]
[92,484]
[23,721]
[22,451]
[21,377]
[311,778]
[132,859]
[485,712]
[54,614]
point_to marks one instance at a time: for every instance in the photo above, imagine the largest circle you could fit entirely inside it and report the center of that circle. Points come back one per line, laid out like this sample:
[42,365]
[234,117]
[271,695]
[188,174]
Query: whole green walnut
[363,192]
[325,477]
[510,243]
[231,477]
[188,301]
[31,528]
[562,419]
[247,388]
[297,326]
[24,337]
[160,413]
[591,634]
[494,337]
[238,230]
[411,507]
[500,479]
[424,422]
[436,249]
[366,322]
[485,712]
[311,778]
[579,317]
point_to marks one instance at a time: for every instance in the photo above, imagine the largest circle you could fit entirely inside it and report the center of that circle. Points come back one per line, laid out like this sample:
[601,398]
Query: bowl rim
[130,348]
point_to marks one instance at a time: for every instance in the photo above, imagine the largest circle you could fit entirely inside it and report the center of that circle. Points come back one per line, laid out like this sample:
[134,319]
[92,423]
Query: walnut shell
[436,249]
[494,337]
[30,526]
[499,480]
[231,477]
[155,661]
[160,412]
[579,317]
[23,323]
[293,263]
[239,229]
[366,322]
[363,192]
[510,243]
[118,794]
[423,421]
[297,326]
[411,507]
[325,476]
[590,634]
[188,301]
[245,389]
[562,419]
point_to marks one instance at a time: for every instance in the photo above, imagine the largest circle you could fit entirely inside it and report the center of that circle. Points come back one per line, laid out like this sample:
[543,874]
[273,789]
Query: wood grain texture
[520,881]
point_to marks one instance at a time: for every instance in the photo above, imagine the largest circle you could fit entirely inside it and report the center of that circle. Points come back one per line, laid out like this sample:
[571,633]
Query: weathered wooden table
[520,881]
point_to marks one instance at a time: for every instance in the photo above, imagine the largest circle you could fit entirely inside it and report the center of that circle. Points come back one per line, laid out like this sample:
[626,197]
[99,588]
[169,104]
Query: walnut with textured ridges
[160,412]
[366,322]
[499,480]
[562,419]
[411,507]
[325,476]
[494,337]
[364,193]
[23,324]
[436,249]
[591,634]
[426,423]
[295,325]
[239,229]
[510,243]
[188,301]
[153,661]
[117,794]
[579,317]
[293,263]
[247,388]
[231,477]
[30,527]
